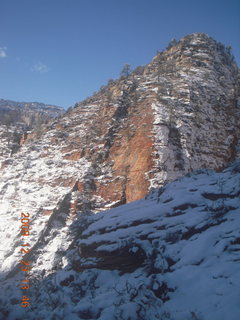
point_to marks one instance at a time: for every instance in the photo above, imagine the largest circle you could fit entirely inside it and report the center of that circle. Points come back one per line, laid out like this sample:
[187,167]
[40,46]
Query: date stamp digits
[25,265]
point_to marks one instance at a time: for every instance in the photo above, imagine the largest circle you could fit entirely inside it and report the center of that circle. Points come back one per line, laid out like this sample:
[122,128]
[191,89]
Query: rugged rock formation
[175,115]
[173,255]
[154,125]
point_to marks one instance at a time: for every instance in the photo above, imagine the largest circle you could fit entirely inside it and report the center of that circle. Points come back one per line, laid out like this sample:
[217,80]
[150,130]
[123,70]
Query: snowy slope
[173,255]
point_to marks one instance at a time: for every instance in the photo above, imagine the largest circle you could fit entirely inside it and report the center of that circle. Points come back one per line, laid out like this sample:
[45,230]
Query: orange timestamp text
[25,265]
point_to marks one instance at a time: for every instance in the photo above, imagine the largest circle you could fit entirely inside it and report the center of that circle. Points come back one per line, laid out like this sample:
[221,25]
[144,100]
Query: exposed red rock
[175,115]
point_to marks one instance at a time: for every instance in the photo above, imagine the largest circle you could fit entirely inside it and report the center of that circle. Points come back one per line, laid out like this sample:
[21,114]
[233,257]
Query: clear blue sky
[60,51]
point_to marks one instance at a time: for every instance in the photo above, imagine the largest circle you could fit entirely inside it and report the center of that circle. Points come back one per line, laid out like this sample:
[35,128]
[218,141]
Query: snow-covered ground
[173,255]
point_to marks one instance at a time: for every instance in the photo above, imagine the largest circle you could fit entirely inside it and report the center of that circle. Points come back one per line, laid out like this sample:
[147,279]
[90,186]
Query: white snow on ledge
[189,233]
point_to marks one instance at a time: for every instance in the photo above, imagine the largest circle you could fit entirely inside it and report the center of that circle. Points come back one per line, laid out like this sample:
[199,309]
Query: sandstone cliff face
[196,118]
[177,114]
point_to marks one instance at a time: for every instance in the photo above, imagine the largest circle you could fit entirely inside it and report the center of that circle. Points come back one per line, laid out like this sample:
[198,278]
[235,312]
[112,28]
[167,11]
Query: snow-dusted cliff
[177,114]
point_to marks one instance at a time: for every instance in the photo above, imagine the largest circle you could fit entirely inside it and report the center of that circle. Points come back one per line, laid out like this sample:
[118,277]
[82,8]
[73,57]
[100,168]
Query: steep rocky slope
[177,114]
[173,255]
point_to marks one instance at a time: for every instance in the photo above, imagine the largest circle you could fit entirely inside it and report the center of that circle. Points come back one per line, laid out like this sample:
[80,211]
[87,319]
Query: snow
[191,265]
[173,255]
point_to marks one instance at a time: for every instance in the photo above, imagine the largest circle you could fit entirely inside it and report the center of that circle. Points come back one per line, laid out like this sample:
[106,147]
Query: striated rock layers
[175,115]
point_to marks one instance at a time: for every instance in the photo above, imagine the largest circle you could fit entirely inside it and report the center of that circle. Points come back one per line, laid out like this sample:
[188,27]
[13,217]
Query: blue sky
[61,51]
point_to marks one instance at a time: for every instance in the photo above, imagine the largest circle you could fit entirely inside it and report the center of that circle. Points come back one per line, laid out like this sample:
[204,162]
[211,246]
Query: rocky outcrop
[173,255]
[177,114]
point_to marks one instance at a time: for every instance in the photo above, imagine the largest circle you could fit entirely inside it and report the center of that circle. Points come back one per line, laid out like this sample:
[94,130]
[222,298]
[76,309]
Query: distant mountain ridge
[19,118]
[30,113]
